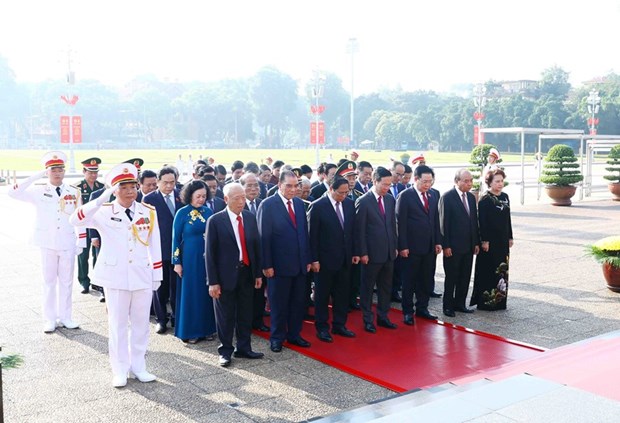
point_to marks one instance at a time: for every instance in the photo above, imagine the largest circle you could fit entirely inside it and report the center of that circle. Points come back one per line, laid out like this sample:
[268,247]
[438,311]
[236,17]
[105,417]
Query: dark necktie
[211,206]
[339,213]
[253,207]
[425,198]
[381,209]
[291,213]
[58,191]
[170,204]
[465,203]
[365,189]
[128,213]
[244,249]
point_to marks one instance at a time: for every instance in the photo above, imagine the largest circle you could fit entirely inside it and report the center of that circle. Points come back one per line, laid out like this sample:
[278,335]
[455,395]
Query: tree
[273,94]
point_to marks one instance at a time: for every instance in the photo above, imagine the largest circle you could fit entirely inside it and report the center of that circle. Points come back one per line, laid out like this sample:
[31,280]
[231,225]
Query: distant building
[519,86]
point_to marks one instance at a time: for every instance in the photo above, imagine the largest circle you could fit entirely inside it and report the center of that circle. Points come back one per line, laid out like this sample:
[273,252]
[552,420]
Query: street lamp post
[352,48]
[317,92]
[479,100]
[594,101]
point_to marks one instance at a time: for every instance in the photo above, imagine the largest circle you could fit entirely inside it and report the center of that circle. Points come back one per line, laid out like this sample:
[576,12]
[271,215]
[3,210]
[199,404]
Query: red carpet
[427,354]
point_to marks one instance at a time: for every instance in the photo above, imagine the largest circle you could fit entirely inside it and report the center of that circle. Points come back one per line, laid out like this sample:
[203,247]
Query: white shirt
[235,226]
[420,195]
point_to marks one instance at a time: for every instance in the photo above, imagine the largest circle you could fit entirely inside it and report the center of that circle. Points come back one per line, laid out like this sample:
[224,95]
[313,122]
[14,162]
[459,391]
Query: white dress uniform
[56,237]
[129,268]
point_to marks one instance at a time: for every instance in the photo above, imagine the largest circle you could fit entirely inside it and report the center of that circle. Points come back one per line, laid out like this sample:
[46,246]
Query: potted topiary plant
[479,158]
[560,173]
[613,160]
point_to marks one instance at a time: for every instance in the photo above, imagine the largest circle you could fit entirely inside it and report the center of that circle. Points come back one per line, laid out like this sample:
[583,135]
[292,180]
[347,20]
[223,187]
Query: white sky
[408,43]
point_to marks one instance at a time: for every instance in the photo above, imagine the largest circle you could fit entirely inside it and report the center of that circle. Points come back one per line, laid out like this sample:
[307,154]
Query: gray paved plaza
[557,296]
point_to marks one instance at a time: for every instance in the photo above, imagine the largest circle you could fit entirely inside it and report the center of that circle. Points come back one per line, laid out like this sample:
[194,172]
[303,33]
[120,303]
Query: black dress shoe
[343,331]
[425,315]
[248,354]
[102,300]
[448,312]
[369,327]
[464,309]
[309,317]
[324,336]
[408,320]
[435,295]
[276,346]
[385,323]
[262,328]
[300,342]
[85,291]
[354,306]
[396,298]
[160,329]
[224,361]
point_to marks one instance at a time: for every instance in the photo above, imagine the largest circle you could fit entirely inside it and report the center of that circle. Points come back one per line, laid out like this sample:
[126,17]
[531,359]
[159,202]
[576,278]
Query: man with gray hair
[458,220]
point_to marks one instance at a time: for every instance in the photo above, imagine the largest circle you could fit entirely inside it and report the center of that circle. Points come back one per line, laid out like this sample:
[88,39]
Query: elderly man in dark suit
[419,242]
[458,218]
[233,271]
[331,220]
[286,260]
[376,245]
[249,183]
[166,202]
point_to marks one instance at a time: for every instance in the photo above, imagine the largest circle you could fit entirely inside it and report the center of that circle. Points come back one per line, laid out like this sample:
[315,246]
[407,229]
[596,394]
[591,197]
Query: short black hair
[380,173]
[190,188]
[337,182]
[208,177]
[363,164]
[286,174]
[277,164]
[305,169]
[264,168]
[329,166]
[421,170]
[147,174]
[237,164]
[252,167]
[321,169]
[166,170]
[220,170]
[201,162]
[407,168]
[208,169]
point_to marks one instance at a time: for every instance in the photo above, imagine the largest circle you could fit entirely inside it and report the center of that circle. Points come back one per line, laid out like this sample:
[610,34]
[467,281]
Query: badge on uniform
[116,219]
[48,195]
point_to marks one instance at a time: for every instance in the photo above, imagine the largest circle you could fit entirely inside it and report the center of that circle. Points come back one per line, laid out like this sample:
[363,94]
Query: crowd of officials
[213,255]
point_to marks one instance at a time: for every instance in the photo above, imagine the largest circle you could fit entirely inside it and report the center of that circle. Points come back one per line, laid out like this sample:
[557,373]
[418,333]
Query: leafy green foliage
[561,167]
[613,160]
[11,361]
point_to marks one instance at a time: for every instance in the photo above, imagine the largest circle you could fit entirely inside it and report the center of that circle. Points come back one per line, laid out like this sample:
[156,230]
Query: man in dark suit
[458,218]
[331,221]
[233,271]
[252,202]
[320,189]
[166,202]
[364,176]
[376,245]
[398,171]
[419,242]
[286,260]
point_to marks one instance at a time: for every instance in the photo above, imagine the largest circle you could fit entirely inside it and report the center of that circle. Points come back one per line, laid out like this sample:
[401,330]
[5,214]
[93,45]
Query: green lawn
[29,160]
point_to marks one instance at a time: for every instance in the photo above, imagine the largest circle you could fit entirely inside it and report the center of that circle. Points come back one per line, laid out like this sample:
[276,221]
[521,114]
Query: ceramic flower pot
[614,188]
[561,195]
[612,276]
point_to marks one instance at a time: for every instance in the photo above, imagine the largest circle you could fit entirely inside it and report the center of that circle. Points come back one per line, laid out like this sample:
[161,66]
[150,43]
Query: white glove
[105,197]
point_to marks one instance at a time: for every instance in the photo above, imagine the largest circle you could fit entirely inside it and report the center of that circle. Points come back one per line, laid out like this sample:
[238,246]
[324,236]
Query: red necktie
[244,249]
[425,201]
[291,213]
[381,209]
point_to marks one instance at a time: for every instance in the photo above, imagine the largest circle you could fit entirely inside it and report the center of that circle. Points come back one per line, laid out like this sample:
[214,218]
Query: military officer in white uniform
[129,268]
[54,202]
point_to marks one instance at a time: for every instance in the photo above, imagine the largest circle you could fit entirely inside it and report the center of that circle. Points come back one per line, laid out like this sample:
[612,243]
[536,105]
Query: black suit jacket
[272,191]
[360,188]
[418,231]
[257,202]
[218,204]
[164,219]
[264,188]
[330,244]
[399,188]
[222,252]
[459,230]
[374,235]
[318,191]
